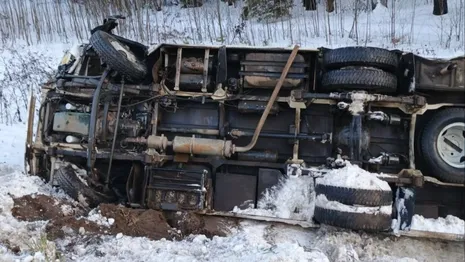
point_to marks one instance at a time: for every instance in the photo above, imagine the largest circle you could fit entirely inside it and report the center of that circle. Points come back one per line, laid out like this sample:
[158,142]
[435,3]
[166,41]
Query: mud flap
[28,154]
[405,208]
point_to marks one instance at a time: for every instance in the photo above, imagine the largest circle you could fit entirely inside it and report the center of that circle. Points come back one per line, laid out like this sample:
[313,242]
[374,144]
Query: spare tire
[355,196]
[368,79]
[443,145]
[336,214]
[353,220]
[67,178]
[118,56]
[360,56]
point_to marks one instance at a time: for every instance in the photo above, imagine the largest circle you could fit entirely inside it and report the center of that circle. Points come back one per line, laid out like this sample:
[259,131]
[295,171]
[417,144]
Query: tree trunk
[330,6]
[310,4]
[440,7]
[384,2]
[374,3]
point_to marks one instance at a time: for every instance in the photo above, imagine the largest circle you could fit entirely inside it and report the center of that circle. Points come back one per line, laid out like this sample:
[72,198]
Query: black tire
[352,220]
[361,56]
[72,185]
[133,69]
[359,79]
[354,196]
[437,166]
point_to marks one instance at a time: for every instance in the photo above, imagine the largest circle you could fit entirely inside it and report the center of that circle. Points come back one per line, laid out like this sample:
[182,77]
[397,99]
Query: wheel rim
[451,145]
[123,50]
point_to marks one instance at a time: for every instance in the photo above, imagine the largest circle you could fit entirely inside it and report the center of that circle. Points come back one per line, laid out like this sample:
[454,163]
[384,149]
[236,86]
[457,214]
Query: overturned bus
[206,128]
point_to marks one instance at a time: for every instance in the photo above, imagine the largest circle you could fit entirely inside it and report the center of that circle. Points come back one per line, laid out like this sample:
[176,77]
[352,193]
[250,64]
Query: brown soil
[191,223]
[136,222]
[62,226]
[40,207]
[131,222]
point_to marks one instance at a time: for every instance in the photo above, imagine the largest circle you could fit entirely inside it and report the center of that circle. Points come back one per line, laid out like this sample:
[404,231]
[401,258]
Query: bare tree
[330,6]
[440,7]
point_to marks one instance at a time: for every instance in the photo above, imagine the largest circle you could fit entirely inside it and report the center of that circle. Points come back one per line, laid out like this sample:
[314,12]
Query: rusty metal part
[440,183]
[191,81]
[128,127]
[411,151]
[113,144]
[156,70]
[155,142]
[417,178]
[294,222]
[194,65]
[154,120]
[205,70]
[262,70]
[323,138]
[186,192]
[71,122]
[104,125]
[200,131]
[447,69]
[440,75]
[295,151]
[256,107]
[93,121]
[270,103]
[178,70]
[222,120]
[203,146]
[261,81]
[53,161]
[265,156]
[415,100]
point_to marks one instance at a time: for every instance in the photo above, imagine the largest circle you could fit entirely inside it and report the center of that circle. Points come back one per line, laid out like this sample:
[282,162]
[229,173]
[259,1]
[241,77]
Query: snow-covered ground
[251,241]
[23,67]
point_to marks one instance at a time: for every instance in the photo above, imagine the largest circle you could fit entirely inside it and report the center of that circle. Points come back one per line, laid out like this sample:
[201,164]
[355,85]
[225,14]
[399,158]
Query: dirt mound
[137,222]
[153,224]
[62,226]
[190,223]
[41,207]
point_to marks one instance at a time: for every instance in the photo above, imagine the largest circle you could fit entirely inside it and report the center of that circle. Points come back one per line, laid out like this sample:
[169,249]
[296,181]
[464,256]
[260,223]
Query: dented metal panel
[440,74]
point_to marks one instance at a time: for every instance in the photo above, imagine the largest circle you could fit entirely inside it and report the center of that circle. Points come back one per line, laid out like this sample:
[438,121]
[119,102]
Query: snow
[292,198]
[96,216]
[449,224]
[16,184]
[323,202]
[27,65]
[252,241]
[352,176]
[12,141]
[247,245]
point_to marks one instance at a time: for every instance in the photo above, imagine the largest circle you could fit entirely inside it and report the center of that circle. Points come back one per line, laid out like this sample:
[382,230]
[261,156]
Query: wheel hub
[451,145]
[124,50]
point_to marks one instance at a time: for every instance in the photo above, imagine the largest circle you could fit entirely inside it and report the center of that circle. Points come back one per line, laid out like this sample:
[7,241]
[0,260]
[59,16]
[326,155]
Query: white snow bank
[292,198]
[25,235]
[353,176]
[249,244]
[323,202]
[450,224]
[12,143]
